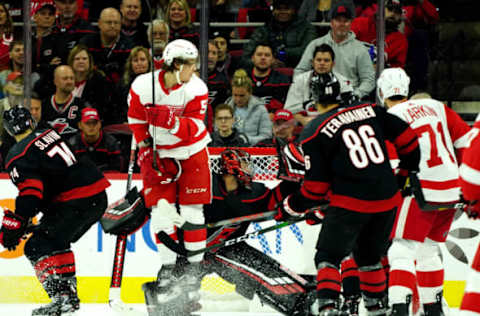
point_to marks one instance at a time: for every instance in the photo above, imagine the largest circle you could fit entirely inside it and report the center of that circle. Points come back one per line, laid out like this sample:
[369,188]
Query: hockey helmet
[17,120]
[392,82]
[181,49]
[237,163]
[325,88]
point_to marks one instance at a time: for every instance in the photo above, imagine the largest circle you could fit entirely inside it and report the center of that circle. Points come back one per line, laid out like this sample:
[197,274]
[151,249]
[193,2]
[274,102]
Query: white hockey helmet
[392,81]
[181,49]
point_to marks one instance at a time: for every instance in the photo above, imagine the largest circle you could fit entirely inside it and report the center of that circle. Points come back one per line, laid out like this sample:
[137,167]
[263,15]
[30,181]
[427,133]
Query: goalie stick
[179,249]
[114,297]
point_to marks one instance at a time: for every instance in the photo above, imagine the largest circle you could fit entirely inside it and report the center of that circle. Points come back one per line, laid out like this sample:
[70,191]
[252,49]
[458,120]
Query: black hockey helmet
[237,163]
[17,120]
[325,88]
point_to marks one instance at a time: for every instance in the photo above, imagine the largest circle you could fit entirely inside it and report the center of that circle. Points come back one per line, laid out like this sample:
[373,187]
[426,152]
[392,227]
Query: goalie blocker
[126,215]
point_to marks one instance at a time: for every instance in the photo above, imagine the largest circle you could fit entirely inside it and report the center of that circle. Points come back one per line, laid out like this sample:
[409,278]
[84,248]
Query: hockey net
[264,162]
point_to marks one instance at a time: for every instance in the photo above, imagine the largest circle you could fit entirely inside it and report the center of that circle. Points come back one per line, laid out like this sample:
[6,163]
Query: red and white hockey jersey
[440,132]
[470,168]
[189,101]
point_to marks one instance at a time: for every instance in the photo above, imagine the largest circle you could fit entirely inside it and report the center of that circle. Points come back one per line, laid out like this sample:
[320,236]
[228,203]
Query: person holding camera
[286,33]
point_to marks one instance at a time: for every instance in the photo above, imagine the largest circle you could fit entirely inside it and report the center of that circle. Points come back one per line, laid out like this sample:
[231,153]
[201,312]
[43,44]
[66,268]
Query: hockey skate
[436,308]
[64,298]
[329,307]
[176,291]
[402,309]
[350,304]
[376,306]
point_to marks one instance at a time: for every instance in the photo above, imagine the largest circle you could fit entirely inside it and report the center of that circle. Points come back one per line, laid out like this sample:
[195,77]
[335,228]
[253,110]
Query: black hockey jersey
[45,171]
[272,89]
[63,118]
[345,153]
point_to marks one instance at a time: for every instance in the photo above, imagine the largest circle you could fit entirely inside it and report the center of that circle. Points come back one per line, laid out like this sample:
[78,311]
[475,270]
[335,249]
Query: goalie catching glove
[126,215]
[13,229]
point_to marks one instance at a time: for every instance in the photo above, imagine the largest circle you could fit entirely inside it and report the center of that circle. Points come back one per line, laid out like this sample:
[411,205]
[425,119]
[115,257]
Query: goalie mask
[325,89]
[237,163]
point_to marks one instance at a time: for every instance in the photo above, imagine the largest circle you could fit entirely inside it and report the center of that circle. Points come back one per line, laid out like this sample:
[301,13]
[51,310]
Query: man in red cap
[91,141]
[283,128]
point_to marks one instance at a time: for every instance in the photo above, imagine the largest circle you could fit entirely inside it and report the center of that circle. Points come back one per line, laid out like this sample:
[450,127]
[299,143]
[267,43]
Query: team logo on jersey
[62,126]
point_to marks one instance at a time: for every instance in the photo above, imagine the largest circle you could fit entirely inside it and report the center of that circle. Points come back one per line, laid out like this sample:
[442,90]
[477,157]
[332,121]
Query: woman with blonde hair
[91,84]
[179,19]
[251,115]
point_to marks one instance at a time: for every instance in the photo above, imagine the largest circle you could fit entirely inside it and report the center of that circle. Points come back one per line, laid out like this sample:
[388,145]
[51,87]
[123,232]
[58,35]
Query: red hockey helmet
[237,163]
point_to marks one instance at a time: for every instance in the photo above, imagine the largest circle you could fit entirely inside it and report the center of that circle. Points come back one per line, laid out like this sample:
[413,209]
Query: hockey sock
[373,282]
[167,256]
[328,281]
[60,263]
[471,297]
[194,239]
[349,273]
[430,272]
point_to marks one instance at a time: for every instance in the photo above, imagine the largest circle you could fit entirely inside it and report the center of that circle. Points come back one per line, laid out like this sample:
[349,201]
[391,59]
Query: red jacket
[396,43]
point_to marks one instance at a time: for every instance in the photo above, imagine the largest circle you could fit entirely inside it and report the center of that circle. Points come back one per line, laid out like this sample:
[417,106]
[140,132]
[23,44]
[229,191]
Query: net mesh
[263,160]
[265,166]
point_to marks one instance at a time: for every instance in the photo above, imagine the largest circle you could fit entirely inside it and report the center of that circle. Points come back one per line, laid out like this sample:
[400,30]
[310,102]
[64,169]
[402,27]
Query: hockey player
[414,255]
[345,154]
[470,184]
[70,194]
[234,195]
[173,159]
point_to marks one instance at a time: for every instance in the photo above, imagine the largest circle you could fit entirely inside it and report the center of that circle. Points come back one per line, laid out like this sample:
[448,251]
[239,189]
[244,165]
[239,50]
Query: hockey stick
[175,247]
[429,206]
[114,297]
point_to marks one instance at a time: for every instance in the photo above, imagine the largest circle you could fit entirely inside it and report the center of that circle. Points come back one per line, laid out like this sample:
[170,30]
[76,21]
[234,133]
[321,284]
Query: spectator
[225,62]
[396,44]
[13,90]
[315,10]
[43,43]
[225,135]
[17,60]
[94,144]
[159,7]
[287,34]
[109,48]
[138,62]
[36,109]
[132,28]
[300,96]
[69,28]
[91,86]
[180,22]
[218,87]
[160,40]
[62,110]
[251,115]
[352,57]
[268,83]
[283,129]
[6,35]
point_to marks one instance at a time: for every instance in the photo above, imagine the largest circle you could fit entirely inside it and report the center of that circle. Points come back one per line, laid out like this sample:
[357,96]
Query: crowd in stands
[86,54]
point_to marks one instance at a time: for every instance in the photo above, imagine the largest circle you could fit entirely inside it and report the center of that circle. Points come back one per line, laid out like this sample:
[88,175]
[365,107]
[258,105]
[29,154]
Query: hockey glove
[315,217]
[472,209]
[145,156]
[161,116]
[13,228]
[285,210]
